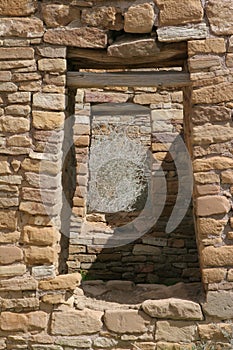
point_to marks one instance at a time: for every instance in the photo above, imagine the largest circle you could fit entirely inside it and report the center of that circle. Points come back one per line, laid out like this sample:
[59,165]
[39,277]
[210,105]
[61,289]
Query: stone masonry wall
[40,311]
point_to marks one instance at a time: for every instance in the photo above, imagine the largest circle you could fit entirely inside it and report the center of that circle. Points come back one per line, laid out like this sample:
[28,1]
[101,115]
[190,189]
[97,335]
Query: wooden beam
[169,55]
[130,79]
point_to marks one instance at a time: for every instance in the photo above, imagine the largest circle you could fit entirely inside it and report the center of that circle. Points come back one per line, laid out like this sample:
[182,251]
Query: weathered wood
[130,79]
[169,55]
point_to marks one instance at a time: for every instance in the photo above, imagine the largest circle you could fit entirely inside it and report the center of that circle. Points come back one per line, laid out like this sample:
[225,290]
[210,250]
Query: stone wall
[39,310]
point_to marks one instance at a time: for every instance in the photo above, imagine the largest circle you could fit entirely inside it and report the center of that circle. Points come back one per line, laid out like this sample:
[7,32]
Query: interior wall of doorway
[155,256]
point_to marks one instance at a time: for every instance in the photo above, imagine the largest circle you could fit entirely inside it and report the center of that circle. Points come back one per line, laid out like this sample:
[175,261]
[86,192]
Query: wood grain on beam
[130,79]
[170,55]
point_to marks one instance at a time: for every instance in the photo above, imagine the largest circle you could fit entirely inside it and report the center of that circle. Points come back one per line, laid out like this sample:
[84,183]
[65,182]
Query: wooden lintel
[170,79]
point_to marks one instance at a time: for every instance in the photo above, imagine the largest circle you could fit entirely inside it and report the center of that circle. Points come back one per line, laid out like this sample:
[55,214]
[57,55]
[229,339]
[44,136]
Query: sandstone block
[70,282]
[34,208]
[51,51]
[106,17]
[227,177]
[49,101]
[42,180]
[12,270]
[48,120]
[230,275]
[213,275]
[80,342]
[4,167]
[220,17]
[8,219]
[17,9]
[203,190]
[8,87]
[41,166]
[205,114]
[21,110]
[229,60]
[9,255]
[86,37]
[76,322]
[5,76]
[209,205]
[44,236]
[214,331]
[230,44]
[141,249]
[209,133]
[56,15]
[213,94]
[175,309]
[126,321]
[176,331]
[139,19]
[174,12]
[18,141]
[20,304]
[181,33]
[209,45]
[21,27]
[220,256]
[15,53]
[206,178]
[213,163]
[31,321]
[39,255]
[18,284]
[43,272]
[105,97]
[103,342]
[200,63]
[19,97]
[52,65]
[175,346]
[9,237]
[139,47]
[151,98]
[209,226]
[219,304]
[14,125]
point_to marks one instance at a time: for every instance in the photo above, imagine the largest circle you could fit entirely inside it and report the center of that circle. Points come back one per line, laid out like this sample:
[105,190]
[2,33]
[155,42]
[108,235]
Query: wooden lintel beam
[167,79]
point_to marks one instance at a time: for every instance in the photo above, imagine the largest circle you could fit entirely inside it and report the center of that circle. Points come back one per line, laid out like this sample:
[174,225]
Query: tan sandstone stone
[80,37]
[31,321]
[203,190]
[220,256]
[56,15]
[176,331]
[39,255]
[52,65]
[106,17]
[213,163]
[8,219]
[21,27]
[182,33]
[76,322]
[214,331]
[69,281]
[49,101]
[219,304]
[227,177]
[176,12]
[209,45]
[214,275]
[126,321]
[176,309]
[48,120]
[210,226]
[206,178]
[14,124]
[213,94]
[15,53]
[12,270]
[175,346]
[133,47]
[139,19]
[209,205]
[220,17]
[17,8]
[41,236]
[9,255]
[200,63]
[229,60]
[209,133]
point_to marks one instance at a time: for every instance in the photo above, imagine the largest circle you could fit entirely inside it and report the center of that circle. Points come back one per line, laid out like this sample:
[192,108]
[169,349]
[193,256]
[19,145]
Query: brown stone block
[176,331]
[104,97]
[210,45]
[209,205]
[199,63]
[13,322]
[52,65]
[213,275]
[175,12]
[18,8]
[19,284]
[39,255]
[56,15]
[220,17]
[8,219]
[9,237]
[85,37]
[15,53]
[213,94]
[221,256]
[229,60]
[203,190]
[207,178]
[65,323]
[82,141]
[126,321]
[107,17]
[48,101]
[209,227]
[22,27]
[213,163]
[69,282]
[205,114]
[12,270]
[41,236]
[14,125]
[9,255]
[139,19]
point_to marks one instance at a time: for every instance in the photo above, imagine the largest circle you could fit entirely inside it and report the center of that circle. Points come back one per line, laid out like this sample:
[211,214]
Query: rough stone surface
[176,12]
[220,17]
[133,48]
[214,275]
[126,321]
[210,45]
[56,15]
[70,282]
[21,27]
[19,8]
[219,304]
[176,331]
[47,120]
[49,101]
[65,323]
[180,33]
[9,255]
[213,94]
[106,17]
[92,38]
[41,236]
[139,19]
[220,256]
[209,205]
[39,255]
[176,309]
